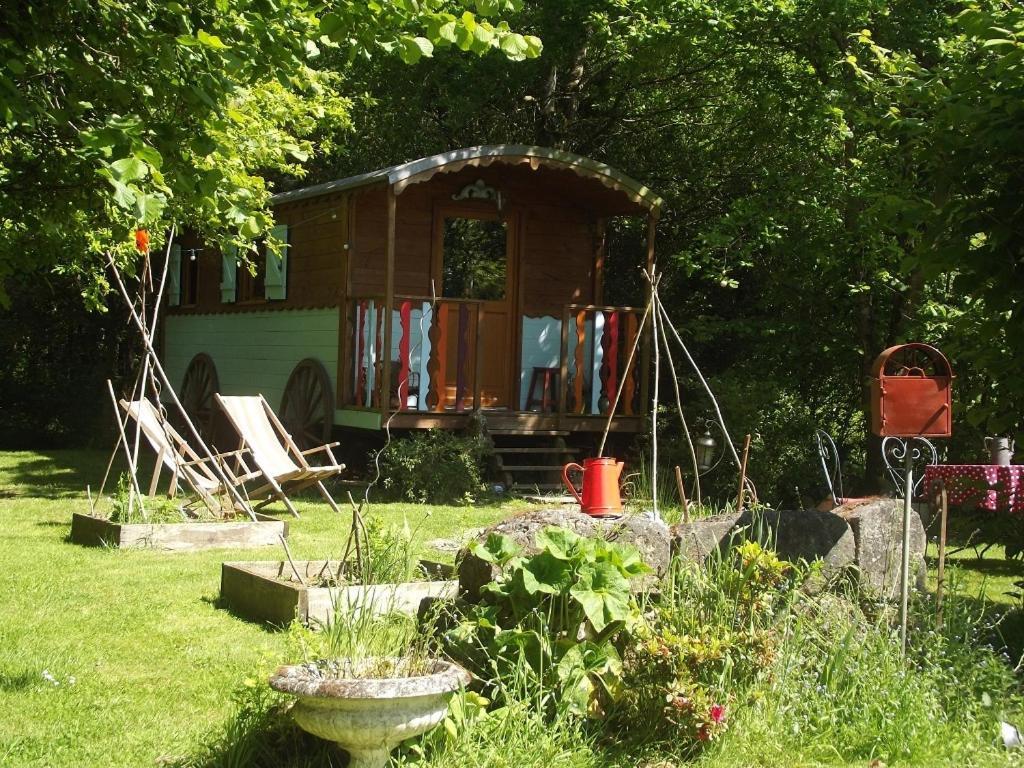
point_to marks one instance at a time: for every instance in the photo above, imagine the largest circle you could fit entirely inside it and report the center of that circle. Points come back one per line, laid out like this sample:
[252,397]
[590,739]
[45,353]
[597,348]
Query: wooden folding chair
[275,454]
[174,453]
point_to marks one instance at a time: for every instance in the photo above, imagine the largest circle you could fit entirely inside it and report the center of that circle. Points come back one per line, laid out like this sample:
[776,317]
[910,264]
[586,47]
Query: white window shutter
[275,281]
[174,277]
[229,266]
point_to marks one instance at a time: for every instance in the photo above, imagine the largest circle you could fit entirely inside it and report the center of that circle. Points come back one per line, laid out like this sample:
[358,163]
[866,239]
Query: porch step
[531,463]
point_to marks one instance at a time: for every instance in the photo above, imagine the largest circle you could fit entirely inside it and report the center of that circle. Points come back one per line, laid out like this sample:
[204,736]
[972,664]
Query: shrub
[709,640]
[437,467]
[550,626]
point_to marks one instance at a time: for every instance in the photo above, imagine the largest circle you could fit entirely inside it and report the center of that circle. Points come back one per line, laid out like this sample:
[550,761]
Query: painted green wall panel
[254,352]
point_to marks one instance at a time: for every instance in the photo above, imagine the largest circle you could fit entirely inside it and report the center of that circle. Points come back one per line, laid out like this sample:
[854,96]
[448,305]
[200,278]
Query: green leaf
[250,227]
[514,46]
[210,41]
[498,549]
[330,24]
[551,575]
[148,207]
[560,542]
[149,156]
[124,195]
[129,169]
[414,48]
[603,593]
[447,31]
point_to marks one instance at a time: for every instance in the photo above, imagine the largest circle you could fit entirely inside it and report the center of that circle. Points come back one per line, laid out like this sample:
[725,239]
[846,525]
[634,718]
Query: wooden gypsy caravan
[421,293]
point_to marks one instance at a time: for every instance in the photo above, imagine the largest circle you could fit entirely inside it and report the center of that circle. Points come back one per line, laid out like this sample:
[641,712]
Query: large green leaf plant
[552,623]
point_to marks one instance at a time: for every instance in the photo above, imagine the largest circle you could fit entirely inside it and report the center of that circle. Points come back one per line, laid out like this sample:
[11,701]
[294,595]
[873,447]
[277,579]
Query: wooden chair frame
[174,453]
[303,476]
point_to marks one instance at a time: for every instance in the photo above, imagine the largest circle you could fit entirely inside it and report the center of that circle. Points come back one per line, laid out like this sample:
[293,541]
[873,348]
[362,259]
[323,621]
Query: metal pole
[941,585]
[908,493]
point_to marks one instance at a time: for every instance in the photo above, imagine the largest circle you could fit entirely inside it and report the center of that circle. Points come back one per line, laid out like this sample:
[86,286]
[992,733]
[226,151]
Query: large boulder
[804,534]
[878,533]
[693,541]
[650,537]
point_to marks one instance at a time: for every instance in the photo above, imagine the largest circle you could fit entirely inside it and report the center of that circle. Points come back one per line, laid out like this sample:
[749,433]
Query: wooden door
[475,268]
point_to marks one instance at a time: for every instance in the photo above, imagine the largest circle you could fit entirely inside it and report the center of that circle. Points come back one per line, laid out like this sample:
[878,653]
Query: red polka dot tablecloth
[985,486]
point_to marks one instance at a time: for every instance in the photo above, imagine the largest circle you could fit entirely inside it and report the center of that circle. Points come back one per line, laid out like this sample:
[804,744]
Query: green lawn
[153,660]
[152,657]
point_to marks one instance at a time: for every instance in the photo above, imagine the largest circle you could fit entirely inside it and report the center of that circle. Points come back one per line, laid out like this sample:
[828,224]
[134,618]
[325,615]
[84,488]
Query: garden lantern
[706,448]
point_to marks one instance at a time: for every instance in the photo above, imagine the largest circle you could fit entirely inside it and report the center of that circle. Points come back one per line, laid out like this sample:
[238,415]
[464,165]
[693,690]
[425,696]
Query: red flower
[717,713]
[142,241]
[702,733]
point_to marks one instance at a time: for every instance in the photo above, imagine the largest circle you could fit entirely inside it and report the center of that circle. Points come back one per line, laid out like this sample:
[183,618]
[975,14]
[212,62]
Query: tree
[959,119]
[130,114]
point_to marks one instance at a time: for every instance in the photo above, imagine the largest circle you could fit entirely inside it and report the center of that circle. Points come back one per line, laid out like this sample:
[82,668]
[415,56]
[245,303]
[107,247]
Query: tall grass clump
[703,647]
[842,692]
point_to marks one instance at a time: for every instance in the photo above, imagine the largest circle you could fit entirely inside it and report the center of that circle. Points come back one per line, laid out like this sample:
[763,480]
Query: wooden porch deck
[503,421]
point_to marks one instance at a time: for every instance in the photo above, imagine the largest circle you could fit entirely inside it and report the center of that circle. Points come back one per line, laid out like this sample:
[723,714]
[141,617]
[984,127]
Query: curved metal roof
[404,174]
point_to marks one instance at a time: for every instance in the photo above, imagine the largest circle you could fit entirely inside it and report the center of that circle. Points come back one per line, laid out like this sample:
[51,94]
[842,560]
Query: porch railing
[433,352]
[435,357]
[595,360]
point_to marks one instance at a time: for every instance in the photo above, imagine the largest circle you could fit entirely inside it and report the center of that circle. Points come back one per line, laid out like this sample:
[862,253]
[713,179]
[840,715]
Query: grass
[162,675]
[154,660]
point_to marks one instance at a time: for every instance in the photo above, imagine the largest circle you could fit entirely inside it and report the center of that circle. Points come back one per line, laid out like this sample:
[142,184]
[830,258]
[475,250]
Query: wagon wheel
[307,408]
[197,391]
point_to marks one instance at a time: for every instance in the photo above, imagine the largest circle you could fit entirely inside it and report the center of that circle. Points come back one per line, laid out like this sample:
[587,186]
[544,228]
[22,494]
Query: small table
[985,486]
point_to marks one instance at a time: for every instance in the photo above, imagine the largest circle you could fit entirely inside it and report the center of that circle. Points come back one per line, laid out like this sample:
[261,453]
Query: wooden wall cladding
[558,238]
[318,230]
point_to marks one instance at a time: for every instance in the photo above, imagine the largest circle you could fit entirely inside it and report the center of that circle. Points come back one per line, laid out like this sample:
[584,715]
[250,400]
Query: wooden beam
[346,349]
[599,261]
[384,352]
[563,363]
[478,357]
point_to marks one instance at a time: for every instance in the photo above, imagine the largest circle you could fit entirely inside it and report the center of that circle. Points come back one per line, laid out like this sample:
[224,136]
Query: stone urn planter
[370,707]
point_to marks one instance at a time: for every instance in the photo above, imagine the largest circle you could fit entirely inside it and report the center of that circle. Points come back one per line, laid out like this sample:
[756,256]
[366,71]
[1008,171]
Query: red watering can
[601,496]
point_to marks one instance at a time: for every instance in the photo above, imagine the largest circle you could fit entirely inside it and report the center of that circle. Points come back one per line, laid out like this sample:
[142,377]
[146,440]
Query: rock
[804,534]
[695,540]
[650,537]
[878,533]
[794,535]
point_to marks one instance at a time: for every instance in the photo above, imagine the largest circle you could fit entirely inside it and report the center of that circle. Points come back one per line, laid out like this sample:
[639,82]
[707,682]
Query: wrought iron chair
[828,454]
[894,452]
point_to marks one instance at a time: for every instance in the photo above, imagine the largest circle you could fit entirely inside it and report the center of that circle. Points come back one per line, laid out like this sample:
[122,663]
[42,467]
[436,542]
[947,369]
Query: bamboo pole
[128,455]
[159,369]
[679,400]
[908,502]
[743,475]
[139,387]
[682,495]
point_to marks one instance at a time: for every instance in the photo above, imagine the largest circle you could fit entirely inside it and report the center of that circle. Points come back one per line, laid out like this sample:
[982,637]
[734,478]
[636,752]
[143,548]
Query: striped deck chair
[174,453]
[275,454]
